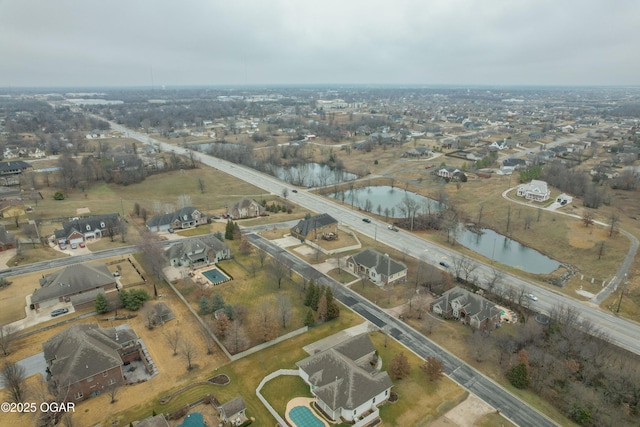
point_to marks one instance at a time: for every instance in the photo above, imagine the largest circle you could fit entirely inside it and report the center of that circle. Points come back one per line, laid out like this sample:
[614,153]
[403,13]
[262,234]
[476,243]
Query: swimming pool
[193,420]
[215,276]
[303,417]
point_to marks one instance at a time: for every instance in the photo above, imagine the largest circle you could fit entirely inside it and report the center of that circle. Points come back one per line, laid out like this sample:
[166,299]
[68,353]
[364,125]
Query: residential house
[12,208]
[535,190]
[380,269]
[85,360]
[71,281]
[186,217]
[15,167]
[7,240]
[89,228]
[344,381]
[246,208]
[315,228]
[233,411]
[202,250]
[450,173]
[469,308]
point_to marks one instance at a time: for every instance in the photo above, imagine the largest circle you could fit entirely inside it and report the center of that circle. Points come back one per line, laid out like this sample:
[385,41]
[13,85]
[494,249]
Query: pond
[386,197]
[506,251]
[311,174]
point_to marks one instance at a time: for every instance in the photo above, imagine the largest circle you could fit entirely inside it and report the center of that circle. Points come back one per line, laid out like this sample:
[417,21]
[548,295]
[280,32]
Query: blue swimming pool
[215,276]
[303,417]
[193,420]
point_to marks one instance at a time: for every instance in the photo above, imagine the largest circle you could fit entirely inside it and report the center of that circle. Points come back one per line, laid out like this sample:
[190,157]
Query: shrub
[518,376]
[59,195]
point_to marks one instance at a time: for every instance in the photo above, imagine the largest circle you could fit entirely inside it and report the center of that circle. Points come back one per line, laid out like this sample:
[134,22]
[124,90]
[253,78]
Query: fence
[269,343]
[268,378]
[338,250]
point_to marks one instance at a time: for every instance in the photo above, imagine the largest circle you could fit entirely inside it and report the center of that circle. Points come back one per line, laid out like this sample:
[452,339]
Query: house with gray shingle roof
[202,250]
[186,217]
[380,269]
[71,281]
[86,360]
[82,229]
[315,228]
[535,190]
[469,308]
[233,411]
[344,381]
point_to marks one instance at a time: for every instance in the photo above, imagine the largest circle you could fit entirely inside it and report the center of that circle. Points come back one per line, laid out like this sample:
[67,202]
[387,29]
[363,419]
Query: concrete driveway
[33,365]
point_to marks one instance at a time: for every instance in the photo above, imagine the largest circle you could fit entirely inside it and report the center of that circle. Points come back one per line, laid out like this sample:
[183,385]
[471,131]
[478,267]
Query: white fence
[292,372]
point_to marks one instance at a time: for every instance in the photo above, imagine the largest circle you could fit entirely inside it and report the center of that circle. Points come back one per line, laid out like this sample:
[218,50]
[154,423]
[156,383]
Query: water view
[381,198]
[312,175]
[506,251]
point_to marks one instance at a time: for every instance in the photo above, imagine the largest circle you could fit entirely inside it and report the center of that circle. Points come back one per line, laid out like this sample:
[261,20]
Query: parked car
[63,246]
[532,297]
[171,230]
[444,264]
[116,274]
[59,311]
[215,217]
[367,220]
[82,244]
[74,246]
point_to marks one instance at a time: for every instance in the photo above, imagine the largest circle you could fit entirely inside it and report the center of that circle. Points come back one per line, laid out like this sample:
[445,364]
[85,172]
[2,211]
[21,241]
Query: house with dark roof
[315,228]
[186,217]
[14,167]
[380,269]
[7,240]
[70,282]
[203,250]
[246,208]
[89,228]
[12,208]
[85,360]
[469,308]
[345,379]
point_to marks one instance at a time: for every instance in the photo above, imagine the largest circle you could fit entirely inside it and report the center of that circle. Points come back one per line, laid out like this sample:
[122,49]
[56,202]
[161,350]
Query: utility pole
[624,286]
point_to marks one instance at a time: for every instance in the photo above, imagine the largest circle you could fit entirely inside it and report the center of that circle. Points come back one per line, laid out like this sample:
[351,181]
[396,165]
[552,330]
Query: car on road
[367,220]
[59,311]
[393,228]
[444,264]
[294,191]
[532,297]
[74,246]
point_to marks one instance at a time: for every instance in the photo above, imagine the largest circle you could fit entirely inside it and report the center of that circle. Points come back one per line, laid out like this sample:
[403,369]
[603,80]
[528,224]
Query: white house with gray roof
[186,217]
[380,268]
[535,190]
[344,380]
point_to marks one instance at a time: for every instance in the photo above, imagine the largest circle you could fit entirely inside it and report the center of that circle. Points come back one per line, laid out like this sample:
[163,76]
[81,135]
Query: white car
[532,297]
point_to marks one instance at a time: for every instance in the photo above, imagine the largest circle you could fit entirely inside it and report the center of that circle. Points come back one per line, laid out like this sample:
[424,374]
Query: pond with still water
[386,197]
[311,174]
[506,251]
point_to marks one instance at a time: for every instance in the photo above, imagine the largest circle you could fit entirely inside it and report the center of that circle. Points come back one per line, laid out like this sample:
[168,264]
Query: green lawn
[282,389]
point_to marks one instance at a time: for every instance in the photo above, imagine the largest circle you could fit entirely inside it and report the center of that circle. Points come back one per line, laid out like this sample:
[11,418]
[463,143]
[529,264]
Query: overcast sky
[237,42]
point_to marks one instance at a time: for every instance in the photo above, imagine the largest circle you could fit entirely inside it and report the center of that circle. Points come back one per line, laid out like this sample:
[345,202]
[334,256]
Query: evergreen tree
[311,290]
[518,376]
[101,304]
[333,311]
[322,308]
[203,305]
[217,302]
[317,293]
[309,320]
[329,294]
[228,231]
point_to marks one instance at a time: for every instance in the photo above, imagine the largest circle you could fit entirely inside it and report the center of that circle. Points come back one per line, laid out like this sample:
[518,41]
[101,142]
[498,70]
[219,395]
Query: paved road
[511,407]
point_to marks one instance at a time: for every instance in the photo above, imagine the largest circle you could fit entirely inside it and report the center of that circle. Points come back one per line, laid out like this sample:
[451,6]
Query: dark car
[367,220]
[59,311]
[444,264]
[294,191]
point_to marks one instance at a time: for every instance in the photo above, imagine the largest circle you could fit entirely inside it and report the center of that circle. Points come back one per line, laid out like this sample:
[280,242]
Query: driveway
[33,365]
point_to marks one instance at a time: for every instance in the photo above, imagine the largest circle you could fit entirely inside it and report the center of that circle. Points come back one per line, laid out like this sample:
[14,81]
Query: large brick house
[203,250]
[380,269]
[344,381]
[71,283]
[85,360]
[83,229]
[186,217]
[246,208]
[315,228]
[469,308]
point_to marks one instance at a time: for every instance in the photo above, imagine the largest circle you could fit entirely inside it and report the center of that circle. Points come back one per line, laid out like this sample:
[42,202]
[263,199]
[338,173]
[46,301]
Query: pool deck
[302,401]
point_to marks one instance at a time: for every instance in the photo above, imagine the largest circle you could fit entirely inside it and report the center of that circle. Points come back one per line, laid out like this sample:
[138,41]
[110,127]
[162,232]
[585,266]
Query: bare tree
[152,253]
[430,323]
[262,257]
[201,184]
[614,222]
[124,229]
[12,377]
[173,339]
[264,320]
[587,218]
[209,343]
[7,338]
[285,193]
[494,280]
[184,200]
[432,368]
[284,309]
[277,269]
[113,391]
[236,340]
[189,352]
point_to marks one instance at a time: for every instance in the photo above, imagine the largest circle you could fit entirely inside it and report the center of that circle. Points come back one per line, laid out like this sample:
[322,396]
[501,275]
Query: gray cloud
[98,43]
